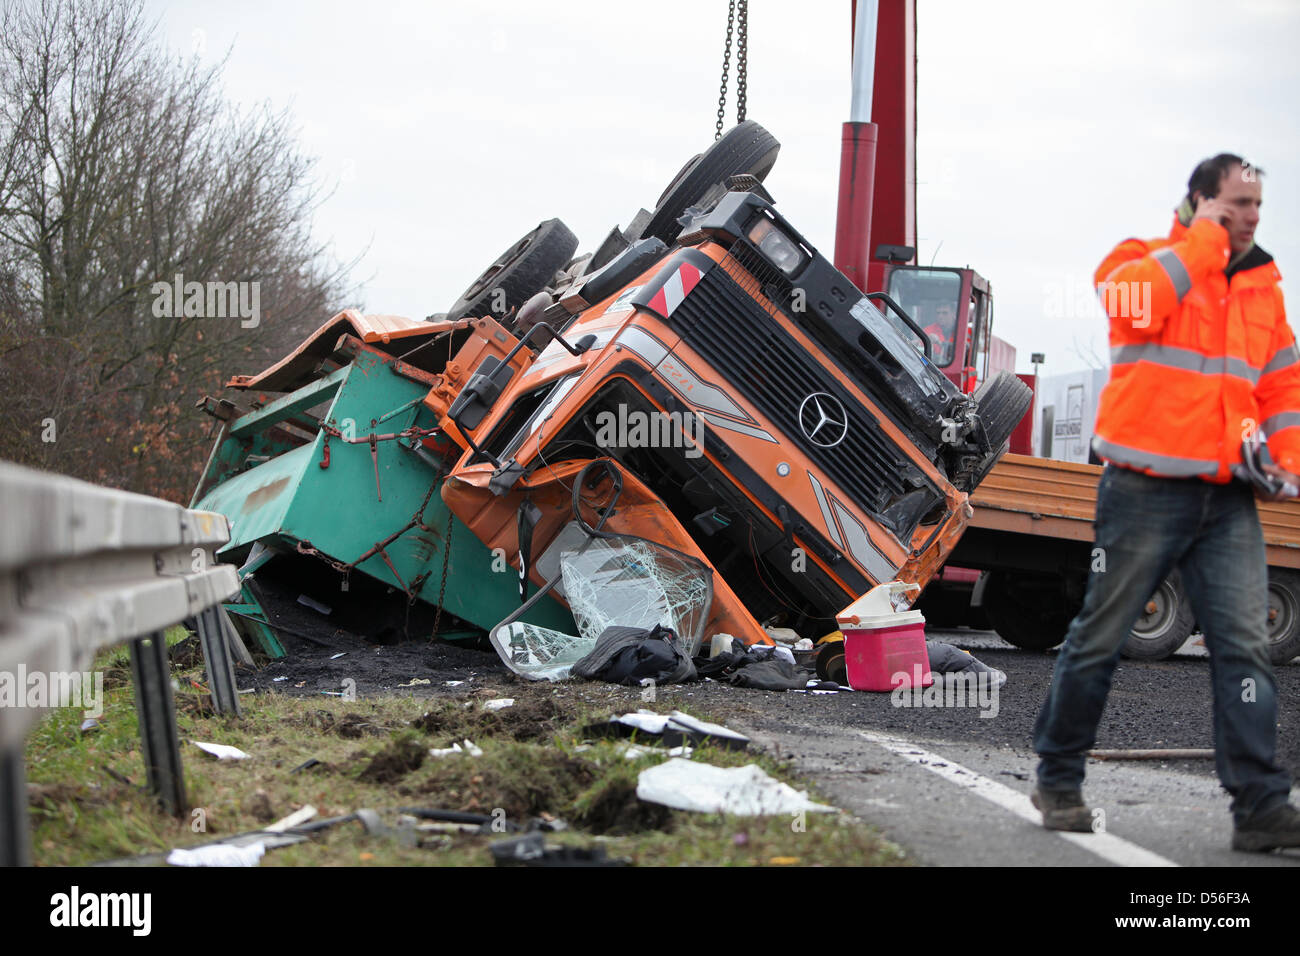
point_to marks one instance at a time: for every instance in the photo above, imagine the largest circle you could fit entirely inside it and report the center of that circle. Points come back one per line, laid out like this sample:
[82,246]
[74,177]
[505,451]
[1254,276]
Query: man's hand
[1285,476]
[1215,209]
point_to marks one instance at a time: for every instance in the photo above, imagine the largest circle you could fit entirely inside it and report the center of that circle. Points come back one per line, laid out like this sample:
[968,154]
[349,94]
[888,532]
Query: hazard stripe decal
[676,279]
[675,290]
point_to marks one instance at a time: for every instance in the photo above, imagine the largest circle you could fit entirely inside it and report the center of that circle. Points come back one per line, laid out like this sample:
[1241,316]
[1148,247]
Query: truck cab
[955,308]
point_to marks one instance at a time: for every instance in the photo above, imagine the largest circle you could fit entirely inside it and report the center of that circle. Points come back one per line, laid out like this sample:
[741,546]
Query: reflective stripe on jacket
[1200,357]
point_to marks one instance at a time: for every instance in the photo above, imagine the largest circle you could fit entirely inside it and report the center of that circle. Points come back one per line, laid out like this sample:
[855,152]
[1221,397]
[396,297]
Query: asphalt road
[951,786]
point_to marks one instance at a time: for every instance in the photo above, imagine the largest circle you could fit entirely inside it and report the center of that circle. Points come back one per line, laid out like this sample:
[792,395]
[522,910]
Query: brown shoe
[1063,810]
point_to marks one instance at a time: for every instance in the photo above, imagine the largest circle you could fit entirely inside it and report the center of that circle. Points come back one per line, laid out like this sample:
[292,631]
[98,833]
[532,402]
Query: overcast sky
[1048,132]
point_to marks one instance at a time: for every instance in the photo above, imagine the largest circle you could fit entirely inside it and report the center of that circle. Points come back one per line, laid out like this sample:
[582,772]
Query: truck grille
[758,357]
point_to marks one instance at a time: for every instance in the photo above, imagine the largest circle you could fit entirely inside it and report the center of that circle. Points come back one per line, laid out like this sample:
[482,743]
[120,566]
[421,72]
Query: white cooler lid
[875,609]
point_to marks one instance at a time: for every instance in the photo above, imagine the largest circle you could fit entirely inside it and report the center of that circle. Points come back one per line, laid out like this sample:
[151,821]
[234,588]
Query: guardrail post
[156,711]
[216,654]
[15,846]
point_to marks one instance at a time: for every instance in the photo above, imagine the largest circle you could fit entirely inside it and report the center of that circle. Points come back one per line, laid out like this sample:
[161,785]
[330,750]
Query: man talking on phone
[1202,360]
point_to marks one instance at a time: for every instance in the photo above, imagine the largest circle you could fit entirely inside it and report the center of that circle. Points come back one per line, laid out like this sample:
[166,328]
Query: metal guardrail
[83,568]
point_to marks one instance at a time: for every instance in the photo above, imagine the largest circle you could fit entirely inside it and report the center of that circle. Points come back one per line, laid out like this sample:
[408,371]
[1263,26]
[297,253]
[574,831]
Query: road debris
[293,820]
[221,751]
[670,730]
[468,750]
[703,788]
[636,752]
[218,854]
[1184,753]
[531,850]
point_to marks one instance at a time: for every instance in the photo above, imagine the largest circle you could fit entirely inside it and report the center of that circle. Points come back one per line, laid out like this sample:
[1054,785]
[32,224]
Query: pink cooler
[884,646]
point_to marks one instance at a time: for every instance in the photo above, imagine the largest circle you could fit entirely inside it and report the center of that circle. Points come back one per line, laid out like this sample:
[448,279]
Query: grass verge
[87,803]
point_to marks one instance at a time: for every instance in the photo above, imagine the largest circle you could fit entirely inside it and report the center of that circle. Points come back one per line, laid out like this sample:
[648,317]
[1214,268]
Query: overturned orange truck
[745,404]
[705,381]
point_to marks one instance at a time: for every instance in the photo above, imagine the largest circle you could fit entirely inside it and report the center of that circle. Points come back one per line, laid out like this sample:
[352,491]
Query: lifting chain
[742,55]
[742,59]
[442,588]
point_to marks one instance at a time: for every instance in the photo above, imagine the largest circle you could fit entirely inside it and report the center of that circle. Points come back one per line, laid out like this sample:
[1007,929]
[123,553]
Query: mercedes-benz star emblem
[823,419]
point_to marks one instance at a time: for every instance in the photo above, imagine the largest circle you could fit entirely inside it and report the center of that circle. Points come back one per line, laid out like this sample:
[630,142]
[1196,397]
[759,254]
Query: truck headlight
[779,249]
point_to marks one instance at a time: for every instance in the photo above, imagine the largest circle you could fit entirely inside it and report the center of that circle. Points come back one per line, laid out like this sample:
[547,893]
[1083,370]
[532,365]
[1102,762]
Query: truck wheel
[518,274]
[1166,623]
[1283,615]
[1002,402]
[746,148]
[1029,611]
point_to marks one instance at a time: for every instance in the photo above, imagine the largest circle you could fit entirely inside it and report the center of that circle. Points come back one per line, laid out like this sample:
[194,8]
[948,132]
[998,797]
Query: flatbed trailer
[1032,533]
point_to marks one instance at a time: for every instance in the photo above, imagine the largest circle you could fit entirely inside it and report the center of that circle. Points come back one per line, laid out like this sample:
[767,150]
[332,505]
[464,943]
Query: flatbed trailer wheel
[1166,623]
[1029,611]
[1283,615]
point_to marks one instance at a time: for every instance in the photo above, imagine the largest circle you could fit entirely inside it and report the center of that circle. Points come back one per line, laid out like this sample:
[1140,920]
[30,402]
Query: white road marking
[1109,847]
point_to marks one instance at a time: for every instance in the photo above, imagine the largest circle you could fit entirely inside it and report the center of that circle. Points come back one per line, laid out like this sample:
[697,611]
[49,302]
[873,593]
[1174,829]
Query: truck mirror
[480,393]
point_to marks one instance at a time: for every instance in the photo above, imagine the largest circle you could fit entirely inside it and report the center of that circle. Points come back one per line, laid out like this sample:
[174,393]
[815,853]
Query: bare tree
[122,168]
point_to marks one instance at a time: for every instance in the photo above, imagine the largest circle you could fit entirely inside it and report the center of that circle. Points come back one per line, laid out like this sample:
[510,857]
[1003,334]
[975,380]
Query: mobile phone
[1222,220]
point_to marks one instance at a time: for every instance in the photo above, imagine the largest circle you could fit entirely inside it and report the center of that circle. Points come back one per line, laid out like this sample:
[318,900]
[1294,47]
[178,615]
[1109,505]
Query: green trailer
[345,471]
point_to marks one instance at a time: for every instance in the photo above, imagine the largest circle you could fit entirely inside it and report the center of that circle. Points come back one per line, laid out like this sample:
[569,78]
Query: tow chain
[442,588]
[742,61]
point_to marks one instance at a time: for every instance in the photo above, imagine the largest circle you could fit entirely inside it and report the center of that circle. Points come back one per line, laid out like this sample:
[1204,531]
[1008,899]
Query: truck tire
[1283,615]
[746,148]
[522,271]
[1029,611]
[1165,625]
[1002,402]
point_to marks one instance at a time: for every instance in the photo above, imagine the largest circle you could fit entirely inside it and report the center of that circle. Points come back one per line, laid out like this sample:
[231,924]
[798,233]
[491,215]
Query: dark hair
[1209,173]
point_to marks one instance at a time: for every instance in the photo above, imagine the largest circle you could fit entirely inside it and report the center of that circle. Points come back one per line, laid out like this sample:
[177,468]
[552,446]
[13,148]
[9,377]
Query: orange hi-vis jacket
[1201,356]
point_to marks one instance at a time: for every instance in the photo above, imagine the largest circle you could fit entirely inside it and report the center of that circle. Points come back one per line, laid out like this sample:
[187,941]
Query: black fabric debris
[757,666]
[630,655]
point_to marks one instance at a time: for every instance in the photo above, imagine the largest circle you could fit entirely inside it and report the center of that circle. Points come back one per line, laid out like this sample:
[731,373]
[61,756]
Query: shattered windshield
[898,339]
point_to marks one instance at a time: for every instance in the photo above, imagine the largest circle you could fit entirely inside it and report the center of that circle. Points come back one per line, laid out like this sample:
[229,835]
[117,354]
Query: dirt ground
[1153,704]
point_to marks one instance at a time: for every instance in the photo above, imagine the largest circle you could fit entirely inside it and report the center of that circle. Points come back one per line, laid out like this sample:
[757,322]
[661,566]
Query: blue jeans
[1145,528]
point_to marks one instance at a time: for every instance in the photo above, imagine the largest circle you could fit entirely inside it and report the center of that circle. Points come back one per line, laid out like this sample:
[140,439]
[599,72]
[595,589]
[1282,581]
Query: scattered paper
[499,703]
[278,679]
[468,749]
[636,751]
[416,681]
[452,683]
[218,854]
[743,791]
[221,751]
